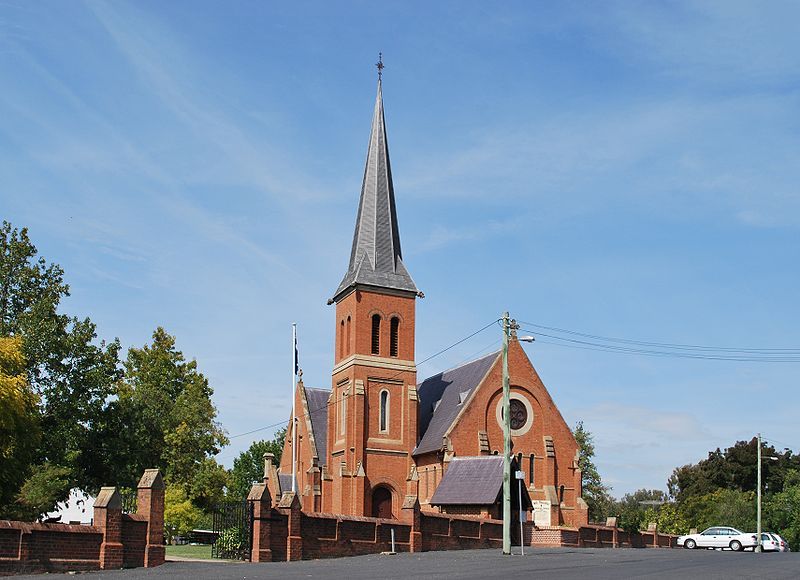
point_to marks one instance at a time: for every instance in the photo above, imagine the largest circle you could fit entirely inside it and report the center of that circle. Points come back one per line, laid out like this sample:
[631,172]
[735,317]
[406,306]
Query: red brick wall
[440,532]
[324,535]
[134,540]
[330,536]
[596,537]
[27,547]
[117,539]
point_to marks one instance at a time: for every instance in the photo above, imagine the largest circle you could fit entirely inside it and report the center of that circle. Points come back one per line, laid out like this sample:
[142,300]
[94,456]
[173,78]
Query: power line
[661,349]
[690,347]
[334,401]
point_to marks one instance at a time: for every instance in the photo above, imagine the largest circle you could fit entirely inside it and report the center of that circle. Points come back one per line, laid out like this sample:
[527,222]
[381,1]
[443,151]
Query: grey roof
[440,400]
[470,481]
[376,259]
[477,481]
[285,480]
[318,410]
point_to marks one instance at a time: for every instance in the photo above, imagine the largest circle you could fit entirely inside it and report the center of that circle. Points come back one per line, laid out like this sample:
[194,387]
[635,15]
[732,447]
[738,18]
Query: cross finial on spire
[379,64]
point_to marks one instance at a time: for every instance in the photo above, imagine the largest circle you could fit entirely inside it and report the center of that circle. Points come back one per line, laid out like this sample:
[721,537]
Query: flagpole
[294,398]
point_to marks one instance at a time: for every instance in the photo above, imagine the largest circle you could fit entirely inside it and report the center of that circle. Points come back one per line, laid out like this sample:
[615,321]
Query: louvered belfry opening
[394,339]
[376,334]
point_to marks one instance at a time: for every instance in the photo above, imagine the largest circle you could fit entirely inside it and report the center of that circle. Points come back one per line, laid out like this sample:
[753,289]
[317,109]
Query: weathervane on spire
[379,64]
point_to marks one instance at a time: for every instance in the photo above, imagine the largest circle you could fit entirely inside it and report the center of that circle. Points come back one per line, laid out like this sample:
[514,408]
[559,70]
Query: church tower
[372,414]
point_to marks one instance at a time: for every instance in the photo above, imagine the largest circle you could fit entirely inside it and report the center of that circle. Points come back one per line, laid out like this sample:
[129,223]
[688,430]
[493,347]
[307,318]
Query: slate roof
[441,397]
[376,258]
[318,410]
[477,481]
[471,481]
[285,480]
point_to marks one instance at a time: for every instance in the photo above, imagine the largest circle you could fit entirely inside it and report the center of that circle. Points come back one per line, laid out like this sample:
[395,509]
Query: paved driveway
[491,564]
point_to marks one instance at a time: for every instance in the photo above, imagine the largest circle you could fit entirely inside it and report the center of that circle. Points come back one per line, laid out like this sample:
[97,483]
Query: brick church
[380,438]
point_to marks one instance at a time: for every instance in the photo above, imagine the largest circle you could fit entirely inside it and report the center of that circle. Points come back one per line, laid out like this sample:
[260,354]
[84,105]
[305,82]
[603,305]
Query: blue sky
[622,169]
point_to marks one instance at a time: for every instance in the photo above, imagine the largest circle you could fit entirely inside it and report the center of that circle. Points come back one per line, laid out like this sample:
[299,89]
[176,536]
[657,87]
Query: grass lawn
[189,551]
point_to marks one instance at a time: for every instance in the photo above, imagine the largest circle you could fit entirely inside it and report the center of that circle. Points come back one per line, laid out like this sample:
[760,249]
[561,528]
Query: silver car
[719,537]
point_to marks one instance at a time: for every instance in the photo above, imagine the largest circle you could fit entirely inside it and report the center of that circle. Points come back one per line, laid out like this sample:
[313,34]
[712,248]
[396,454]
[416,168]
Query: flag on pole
[296,356]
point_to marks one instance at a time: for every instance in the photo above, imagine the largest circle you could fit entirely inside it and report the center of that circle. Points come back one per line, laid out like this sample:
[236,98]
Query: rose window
[519,414]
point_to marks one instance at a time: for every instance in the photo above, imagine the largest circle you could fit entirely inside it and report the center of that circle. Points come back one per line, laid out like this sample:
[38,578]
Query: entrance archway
[382,502]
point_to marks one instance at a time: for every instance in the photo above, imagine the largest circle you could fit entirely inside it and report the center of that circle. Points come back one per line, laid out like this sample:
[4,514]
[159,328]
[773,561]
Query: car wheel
[690,544]
[736,545]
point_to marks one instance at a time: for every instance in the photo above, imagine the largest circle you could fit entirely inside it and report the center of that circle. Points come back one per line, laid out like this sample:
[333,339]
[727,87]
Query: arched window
[347,337]
[341,339]
[383,421]
[561,494]
[376,334]
[394,338]
[530,470]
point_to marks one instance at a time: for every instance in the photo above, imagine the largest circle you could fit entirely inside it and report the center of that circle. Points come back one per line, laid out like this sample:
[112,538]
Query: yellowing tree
[19,420]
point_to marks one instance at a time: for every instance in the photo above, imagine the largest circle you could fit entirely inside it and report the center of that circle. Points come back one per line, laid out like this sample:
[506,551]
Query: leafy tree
[167,403]
[721,507]
[636,510]
[734,469]
[595,494]
[19,420]
[208,484]
[73,373]
[248,467]
[180,515]
[670,519]
[47,485]
[782,511]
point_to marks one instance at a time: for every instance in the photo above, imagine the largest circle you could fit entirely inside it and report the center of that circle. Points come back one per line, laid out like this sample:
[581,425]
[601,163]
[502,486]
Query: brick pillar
[150,504]
[294,540]
[411,514]
[261,501]
[108,517]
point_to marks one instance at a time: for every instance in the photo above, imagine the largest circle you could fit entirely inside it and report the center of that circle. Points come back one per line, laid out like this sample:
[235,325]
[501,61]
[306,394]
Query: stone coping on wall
[28,527]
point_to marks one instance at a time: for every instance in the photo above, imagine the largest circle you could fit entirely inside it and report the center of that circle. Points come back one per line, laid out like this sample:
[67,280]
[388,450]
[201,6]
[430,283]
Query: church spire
[376,259]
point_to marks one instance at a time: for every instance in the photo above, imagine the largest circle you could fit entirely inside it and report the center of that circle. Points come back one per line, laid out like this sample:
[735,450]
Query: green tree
[172,425]
[671,520]
[636,510]
[208,484]
[595,494]
[248,467]
[47,485]
[19,421]
[734,469]
[727,507]
[180,515]
[74,374]
[782,510]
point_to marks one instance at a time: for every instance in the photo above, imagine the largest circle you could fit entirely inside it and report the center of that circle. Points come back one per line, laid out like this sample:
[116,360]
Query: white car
[770,542]
[778,544]
[719,537]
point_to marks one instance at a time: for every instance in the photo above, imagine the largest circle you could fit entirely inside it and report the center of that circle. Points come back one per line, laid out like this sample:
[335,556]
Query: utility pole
[758,508]
[506,440]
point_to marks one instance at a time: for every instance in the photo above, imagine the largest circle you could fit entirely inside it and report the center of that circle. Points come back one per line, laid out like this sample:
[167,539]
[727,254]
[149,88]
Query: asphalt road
[484,564]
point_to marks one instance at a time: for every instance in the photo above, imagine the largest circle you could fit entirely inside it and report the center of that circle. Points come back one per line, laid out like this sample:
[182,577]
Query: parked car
[783,545]
[719,537]
[770,542]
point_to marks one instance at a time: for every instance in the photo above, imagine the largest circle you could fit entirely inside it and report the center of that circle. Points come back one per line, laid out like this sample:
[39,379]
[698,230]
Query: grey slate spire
[376,259]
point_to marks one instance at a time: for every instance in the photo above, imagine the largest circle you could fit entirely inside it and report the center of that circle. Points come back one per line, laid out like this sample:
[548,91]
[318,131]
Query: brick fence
[594,536]
[115,540]
[285,532]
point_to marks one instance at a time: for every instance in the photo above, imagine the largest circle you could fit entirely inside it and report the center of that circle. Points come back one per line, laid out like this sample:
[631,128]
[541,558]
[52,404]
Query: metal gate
[233,530]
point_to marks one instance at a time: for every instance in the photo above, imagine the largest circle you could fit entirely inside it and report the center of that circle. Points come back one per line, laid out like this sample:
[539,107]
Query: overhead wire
[595,342]
[336,400]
